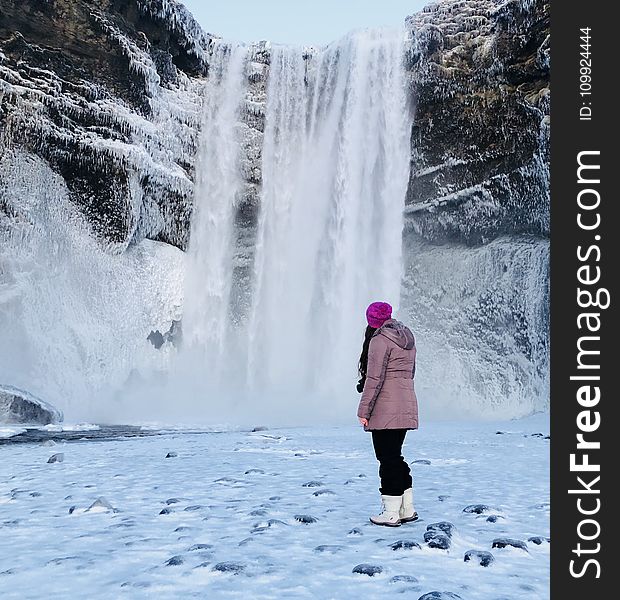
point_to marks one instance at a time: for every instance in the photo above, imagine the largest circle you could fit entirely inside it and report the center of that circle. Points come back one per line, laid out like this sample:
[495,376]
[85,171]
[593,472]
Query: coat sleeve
[378,356]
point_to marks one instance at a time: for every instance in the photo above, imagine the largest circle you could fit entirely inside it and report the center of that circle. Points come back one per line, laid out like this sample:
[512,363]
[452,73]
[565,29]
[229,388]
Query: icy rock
[421,461]
[505,542]
[539,540]
[229,567]
[175,561]
[324,493]
[440,596]
[254,471]
[477,509]
[19,406]
[440,541]
[195,547]
[193,508]
[483,558]
[172,501]
[305,519]
[156,338]
[259,428]
[58,457]
[500,432]
[312,484]
[171,455]
[259,512]
[275,498]
[444,527]
[404,545]
[355,531]
[100,505]
[404,579]
[366,569]
[328,548]
[72,509]
[35,494]
[165,511]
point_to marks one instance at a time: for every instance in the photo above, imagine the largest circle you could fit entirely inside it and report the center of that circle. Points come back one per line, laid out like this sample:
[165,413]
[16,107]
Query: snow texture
[220,517]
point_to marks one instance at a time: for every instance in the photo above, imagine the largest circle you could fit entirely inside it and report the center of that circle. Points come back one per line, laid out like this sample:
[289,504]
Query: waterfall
[335,162]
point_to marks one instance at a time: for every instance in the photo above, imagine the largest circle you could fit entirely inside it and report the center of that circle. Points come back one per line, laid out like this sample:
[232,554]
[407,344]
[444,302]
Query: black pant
[394,472]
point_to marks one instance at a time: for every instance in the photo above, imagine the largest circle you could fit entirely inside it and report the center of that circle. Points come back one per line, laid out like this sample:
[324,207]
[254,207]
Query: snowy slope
[238,493]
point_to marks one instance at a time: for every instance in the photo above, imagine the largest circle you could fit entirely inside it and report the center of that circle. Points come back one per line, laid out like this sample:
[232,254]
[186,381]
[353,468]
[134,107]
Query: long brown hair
[363,362]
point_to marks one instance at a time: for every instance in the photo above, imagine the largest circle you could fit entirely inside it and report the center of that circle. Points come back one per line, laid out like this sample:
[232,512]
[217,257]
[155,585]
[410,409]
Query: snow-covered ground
[216,518]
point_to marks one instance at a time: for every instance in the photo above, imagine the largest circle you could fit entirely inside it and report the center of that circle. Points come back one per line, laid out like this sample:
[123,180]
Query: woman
[389,407]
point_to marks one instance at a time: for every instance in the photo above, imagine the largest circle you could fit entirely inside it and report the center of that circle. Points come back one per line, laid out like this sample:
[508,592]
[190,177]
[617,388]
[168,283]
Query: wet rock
[404,579]
[328,548]
[539,540]
[405,545]
[72,509]
[175,561]
[19,406]
[477,509]
[56,458]
[500,432]
[275,498]
[312,484]
[421,461]
[229,567]
[366,569]
[509,542]
[444,527]
[439,541]
[305,519]
[483,558]
[324,493]
[171,455]
[440,596]
[355,531]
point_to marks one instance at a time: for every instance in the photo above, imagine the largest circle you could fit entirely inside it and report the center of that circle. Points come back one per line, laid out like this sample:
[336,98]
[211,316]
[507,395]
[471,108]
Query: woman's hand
[363,421]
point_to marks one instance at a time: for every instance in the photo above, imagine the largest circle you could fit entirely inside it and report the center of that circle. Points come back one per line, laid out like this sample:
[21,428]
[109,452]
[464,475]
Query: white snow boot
[407,513]
[389,514]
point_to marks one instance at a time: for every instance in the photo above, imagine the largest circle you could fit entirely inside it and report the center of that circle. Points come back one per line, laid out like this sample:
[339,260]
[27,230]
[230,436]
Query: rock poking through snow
[19,406]
[366,569]
[481,557]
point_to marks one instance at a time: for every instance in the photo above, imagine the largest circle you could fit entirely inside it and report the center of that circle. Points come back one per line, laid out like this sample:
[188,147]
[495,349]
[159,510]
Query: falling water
[328,241]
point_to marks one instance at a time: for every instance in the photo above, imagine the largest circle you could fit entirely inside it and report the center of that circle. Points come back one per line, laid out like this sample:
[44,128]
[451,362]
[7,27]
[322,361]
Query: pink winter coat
[388,400]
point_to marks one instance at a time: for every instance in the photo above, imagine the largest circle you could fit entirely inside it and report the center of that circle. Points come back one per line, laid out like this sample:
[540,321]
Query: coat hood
[399,333]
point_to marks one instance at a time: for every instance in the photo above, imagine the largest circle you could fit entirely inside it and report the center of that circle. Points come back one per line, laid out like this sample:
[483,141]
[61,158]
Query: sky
[297,22]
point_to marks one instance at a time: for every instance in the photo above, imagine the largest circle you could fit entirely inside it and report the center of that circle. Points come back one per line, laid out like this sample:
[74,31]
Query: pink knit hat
[378,313]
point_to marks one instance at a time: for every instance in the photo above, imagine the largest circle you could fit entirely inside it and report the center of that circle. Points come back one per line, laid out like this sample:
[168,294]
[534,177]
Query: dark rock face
[480,138]
[509,542]
[365,569]
[18,406]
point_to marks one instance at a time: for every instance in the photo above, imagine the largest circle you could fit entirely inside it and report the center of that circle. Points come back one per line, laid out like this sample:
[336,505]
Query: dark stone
[509,542]
[500,432]
[229,567]
[494,518]
[483,558]
[72,509]
[312,484]
[404,545]
[18,406]
[175,561]
[171,455]
[440,541]
[165,511]
[477,509]
[366,569]
[305,519]
[421,461]
[328,548]
[440,596]
[275,498]
[539,540]
[156,338]
[254,471]
[35,494]
[444,527]
[58,457]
